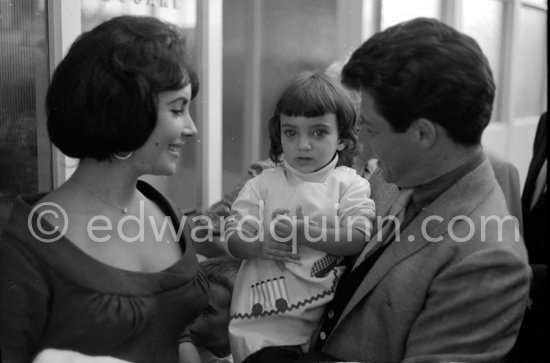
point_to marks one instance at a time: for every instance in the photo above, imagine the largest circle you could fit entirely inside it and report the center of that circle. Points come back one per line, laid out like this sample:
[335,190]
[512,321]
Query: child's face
[309,143]
[210,329]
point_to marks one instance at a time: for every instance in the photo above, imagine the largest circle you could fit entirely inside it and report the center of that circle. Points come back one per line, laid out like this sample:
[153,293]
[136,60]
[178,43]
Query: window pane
[25,157]
[483,21]
[538,2]
[396,11]
[266,43]
[531,70]
[184,186]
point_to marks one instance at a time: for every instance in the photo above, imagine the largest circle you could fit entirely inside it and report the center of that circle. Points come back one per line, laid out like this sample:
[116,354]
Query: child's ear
[341,146]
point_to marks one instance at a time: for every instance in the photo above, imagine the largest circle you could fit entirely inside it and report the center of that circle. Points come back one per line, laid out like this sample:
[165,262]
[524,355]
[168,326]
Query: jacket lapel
[383,193]
[455,201]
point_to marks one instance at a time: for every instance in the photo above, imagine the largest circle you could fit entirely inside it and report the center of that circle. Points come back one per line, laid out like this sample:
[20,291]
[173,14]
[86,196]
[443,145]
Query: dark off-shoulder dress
[53,295]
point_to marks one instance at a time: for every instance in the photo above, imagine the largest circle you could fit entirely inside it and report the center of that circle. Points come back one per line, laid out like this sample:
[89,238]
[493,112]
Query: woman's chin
[165,170]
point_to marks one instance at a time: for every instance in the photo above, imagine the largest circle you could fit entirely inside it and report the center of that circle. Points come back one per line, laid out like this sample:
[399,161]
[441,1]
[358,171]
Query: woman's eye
[179,111]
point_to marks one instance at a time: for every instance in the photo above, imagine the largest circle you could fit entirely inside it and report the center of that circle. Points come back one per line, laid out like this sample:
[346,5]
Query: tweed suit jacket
[461,298]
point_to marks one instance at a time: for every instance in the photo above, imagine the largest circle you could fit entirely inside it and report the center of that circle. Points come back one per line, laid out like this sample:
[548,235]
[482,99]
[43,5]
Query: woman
[117,277]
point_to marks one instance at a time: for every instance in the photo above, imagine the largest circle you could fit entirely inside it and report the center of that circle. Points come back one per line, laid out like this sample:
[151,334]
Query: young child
[311,195]
[207,338]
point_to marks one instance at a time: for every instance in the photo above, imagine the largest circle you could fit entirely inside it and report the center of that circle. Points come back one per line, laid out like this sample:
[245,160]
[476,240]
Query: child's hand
[283,224]
[292,227]
[278,251]
[288,226]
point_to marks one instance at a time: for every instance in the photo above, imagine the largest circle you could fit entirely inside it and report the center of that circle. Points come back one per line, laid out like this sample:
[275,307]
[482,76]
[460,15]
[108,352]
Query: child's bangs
[313,98]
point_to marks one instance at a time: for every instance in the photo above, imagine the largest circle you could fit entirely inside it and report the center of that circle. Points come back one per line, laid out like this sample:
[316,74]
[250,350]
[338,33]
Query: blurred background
[245,51]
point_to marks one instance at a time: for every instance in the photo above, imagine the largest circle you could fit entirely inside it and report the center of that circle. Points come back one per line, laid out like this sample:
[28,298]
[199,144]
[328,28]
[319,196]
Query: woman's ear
[341,146]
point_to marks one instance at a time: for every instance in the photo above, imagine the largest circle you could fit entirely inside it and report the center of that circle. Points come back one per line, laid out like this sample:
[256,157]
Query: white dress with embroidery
[274,306]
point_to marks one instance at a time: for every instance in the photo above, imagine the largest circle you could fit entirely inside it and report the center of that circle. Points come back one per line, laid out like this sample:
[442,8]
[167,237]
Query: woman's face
[160,153]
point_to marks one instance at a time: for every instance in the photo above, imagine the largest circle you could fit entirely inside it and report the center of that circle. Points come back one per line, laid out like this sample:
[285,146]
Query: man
[207,338]
[454,286]
[532,345]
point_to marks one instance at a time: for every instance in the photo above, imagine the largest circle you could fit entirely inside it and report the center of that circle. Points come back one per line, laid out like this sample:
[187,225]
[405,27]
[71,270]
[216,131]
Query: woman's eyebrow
[182,99]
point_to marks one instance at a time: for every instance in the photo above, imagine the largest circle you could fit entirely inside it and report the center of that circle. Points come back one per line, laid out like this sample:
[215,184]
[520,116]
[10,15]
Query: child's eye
[289,133]
[319,133]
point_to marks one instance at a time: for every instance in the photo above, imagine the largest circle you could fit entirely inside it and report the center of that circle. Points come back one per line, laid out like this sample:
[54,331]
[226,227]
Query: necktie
[375,248]
[387,225]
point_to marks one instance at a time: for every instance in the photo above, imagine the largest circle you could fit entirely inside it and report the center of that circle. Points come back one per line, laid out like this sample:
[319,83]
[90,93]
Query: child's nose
[304,143]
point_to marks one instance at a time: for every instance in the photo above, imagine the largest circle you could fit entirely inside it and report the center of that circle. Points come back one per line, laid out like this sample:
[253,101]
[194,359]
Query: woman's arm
[24,297]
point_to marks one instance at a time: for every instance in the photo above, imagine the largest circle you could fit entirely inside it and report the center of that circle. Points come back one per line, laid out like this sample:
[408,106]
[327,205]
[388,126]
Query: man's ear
[425,132]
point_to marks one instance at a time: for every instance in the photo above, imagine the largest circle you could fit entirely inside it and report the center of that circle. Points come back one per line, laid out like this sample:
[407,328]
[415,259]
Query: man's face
[396,152]
[210,329]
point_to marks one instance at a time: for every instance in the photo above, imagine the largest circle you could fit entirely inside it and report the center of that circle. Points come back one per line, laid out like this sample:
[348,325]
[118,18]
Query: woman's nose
[189,128]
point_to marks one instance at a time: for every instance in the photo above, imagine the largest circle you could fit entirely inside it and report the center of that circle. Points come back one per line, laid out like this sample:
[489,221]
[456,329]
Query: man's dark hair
[423,68]
[222,271]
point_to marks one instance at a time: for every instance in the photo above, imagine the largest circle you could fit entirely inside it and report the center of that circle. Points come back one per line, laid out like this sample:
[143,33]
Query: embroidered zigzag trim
[293,306]
[268,280]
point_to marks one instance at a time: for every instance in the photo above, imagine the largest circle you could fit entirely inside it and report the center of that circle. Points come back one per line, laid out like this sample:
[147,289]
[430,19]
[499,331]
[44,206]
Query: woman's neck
[105,180]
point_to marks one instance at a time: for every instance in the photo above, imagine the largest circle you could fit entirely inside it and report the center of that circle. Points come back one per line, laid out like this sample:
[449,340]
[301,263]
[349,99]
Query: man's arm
[473,310]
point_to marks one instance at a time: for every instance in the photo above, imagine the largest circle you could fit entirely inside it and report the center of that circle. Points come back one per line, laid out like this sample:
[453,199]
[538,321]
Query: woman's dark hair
[313,95]
[423,68]
[103,95]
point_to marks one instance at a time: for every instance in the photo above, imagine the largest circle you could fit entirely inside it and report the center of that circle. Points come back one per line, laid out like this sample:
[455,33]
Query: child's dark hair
[103,95]
[313,94]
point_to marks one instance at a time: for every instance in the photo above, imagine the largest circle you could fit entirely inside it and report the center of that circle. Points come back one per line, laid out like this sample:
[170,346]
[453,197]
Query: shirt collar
[427,193]
[316,176]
